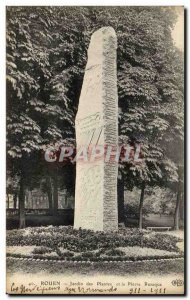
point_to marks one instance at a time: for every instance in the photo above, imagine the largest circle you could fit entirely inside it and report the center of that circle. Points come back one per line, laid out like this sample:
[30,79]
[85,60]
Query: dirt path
[119,269]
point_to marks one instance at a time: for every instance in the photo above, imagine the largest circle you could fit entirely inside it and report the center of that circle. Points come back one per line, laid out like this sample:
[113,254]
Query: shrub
[64,254]
[161,241]
[41,250]
[86,241]
[87,254]
[115,252]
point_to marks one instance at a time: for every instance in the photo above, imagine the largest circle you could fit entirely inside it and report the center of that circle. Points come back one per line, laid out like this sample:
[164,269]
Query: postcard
[95,150]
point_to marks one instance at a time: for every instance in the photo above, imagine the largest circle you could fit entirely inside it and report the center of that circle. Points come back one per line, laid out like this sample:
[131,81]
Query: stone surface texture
[97,124]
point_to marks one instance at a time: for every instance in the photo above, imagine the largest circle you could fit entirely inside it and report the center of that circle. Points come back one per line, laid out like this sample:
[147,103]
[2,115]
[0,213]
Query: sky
[178,32]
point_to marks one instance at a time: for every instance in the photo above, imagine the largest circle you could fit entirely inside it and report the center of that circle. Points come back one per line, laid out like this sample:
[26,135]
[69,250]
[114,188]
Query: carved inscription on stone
[97,124]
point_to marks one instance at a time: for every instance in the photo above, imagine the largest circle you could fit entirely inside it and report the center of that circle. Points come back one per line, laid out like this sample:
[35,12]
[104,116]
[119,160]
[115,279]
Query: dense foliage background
[46,58]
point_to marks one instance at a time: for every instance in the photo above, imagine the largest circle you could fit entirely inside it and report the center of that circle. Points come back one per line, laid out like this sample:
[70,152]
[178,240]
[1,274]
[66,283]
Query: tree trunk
[7,201]
[15,200]
[176,216]
[49,194]
[22,222]
[120,201]
[141,206]
[181,210]
[55,193]
[66,200]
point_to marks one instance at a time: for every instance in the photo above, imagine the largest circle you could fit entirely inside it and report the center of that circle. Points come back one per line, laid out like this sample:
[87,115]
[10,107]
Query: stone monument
[97,125]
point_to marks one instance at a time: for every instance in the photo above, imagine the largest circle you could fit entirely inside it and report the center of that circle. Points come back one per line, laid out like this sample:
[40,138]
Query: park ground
[130,256]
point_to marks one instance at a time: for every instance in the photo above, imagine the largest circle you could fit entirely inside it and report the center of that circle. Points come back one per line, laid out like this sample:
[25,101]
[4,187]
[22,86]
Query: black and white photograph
[95,197]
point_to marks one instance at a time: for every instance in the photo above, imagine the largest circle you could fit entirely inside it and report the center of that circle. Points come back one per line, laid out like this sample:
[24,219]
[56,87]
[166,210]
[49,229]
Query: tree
[45,68]
[29,102]
[153,87]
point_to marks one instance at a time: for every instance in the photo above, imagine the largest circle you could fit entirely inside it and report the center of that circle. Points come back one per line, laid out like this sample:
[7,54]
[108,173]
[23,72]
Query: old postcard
[95,150]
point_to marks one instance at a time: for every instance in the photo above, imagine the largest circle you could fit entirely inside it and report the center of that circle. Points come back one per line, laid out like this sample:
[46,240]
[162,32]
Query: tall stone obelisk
[97,124]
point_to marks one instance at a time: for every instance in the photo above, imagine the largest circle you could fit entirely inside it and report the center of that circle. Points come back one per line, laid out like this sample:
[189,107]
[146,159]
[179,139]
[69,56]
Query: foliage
[157,201]
[86,240]
[41,250]
[115,252]
[46,58]
[93,258]
[64,254]
[131,210]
